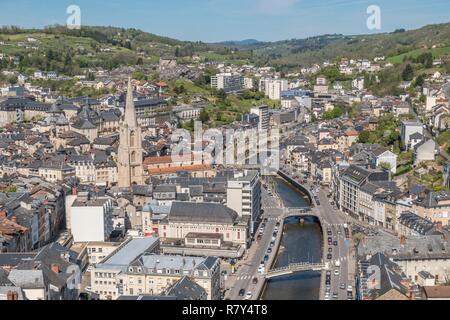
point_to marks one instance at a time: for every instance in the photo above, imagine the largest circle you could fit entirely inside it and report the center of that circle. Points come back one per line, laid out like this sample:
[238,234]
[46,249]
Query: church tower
[130,147]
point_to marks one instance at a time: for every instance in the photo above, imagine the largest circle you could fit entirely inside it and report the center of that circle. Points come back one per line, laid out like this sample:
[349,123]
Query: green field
[436,52]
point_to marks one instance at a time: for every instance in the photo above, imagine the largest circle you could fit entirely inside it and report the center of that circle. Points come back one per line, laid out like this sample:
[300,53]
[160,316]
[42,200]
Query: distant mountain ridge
[245,42]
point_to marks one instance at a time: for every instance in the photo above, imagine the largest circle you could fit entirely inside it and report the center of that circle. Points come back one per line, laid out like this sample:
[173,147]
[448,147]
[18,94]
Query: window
[132,138]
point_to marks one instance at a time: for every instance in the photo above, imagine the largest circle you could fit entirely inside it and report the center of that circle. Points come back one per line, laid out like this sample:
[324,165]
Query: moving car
[342,286]
[241,292]
[335,243]
[349,288]
[329,256]
[336,272]
[248,296]
[255,280]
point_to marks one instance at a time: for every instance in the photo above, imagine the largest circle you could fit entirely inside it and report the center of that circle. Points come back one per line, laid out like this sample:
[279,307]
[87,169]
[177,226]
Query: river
[300,243]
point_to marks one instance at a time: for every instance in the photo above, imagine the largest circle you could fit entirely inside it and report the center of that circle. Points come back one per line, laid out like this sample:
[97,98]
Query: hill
[297,52]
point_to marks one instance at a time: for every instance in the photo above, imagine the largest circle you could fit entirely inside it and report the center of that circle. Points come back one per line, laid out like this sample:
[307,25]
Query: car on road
[248,296]
[263,225]
[349,296]
[335,295]
[349,288]
[328,273]
[277,224]
[266,258]
[272,243]
[265,219]
[88,289]
[241,292]
[335,243]
[330,240]
[329,256]
[275,229]
[329,233]
[261,269]
[274,234]
[259,237]
[342,286]
[330,249]
[255,280]
[269,250]
[336,272]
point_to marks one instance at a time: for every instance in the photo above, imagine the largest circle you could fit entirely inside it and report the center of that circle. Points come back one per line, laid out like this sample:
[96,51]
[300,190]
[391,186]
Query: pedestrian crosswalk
[244,277]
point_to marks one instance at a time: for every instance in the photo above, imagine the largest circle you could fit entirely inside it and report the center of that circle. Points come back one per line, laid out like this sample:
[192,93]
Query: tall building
[228,82]
[263,113]
[244,196]
[273,88]
[130,148]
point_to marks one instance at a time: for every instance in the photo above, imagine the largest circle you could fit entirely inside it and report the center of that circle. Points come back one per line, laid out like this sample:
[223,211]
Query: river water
[300,243]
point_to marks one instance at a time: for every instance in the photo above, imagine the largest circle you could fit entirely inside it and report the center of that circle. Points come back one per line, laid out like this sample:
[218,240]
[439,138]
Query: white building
[274,88]
[263,113]
[91,218]
[228,82]
[358,83]
[407,129]
[244,195]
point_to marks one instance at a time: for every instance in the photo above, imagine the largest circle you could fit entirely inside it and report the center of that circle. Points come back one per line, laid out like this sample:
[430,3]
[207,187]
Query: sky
[221,20]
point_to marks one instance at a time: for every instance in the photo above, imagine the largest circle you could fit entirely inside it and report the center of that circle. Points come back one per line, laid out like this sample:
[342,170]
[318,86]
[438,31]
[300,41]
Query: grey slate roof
[201,212]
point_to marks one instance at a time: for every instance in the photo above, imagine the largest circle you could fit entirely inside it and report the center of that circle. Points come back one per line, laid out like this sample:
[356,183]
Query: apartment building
[351,181]
[263,114]
[228,82]
[154,274]
[244,196]
[91,218]
[104,276]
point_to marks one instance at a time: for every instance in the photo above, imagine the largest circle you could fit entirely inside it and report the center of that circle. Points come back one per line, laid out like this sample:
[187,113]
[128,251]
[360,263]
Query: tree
[364,136]
[408,73]
[419,81]
[204,116]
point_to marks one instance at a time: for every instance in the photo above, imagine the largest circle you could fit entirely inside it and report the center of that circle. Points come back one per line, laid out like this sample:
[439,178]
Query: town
[95,205]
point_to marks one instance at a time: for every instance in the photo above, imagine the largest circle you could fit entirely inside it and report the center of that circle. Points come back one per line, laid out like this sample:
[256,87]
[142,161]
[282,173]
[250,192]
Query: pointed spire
[130,112]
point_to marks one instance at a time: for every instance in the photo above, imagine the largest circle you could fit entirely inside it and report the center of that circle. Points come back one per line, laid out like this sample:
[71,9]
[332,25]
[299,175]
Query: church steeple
[129,162]
[130,112]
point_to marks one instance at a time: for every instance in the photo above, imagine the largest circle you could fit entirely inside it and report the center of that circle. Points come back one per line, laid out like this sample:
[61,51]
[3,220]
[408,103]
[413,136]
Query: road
[247,268]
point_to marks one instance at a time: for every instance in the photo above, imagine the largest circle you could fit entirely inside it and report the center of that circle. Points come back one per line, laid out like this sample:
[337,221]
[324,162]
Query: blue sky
[218,20]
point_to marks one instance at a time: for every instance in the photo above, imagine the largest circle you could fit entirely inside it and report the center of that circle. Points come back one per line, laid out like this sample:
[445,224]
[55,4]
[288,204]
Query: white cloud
[276,7]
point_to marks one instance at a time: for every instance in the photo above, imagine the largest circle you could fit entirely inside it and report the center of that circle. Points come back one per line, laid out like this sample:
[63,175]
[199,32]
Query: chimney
[55,268]
[439,226]
[12,295]
[74,191]
[2,214]
[402,240]
[14,219]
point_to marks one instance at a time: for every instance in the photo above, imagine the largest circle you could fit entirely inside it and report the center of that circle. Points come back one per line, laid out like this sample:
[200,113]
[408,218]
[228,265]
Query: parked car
[329,256]
[255,280]
[248,296]
[241,292]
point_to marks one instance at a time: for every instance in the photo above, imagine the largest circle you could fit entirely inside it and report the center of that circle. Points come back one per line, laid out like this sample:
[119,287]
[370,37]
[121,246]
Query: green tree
[408,73]
[364,136]
[204,116]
